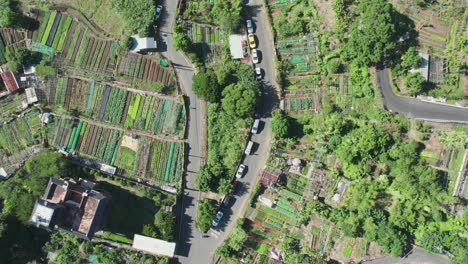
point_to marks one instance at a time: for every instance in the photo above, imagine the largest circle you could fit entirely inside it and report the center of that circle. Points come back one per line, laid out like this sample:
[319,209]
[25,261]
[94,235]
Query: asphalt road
[192,246]
[416,256]
[414,108]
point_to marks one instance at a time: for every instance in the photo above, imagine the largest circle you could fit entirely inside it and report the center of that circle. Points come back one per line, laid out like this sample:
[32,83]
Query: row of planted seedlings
[163,163]
[159,161]
[20,133]
[120,107]
[88,140]
[143,69]
[53,29]
[12,39]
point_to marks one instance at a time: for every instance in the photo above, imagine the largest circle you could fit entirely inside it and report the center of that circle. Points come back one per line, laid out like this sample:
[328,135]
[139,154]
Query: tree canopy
[7,14]
[279,124]
[372,35]
[228,14]
[206,214]
[415,83]
[139,14]
[205,86]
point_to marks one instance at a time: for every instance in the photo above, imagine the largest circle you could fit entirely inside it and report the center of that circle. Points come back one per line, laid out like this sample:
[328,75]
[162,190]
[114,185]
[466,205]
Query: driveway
[414,108]
[192,246]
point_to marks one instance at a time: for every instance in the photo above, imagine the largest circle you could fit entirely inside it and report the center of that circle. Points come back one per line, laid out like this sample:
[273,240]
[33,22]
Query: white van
[248,149]
[255,125]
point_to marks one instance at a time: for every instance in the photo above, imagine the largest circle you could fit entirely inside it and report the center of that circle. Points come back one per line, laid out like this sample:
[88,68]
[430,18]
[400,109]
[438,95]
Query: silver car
[255,56]
[240,171]
[249,25]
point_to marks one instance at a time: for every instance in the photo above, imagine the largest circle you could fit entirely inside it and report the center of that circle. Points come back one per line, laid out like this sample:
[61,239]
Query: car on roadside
[218,217]
[255,56]
[252,43]
[227,201]
[255,126]
[258,73]
[240,171]
[249,25]
[158,11]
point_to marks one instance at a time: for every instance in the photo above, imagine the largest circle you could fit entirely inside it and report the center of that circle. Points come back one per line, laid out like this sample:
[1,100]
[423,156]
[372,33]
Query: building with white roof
[154,246]
[236,46]
[142,44]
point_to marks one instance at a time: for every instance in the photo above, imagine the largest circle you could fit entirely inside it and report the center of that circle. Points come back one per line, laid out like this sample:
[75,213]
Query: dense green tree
[228,14]
[373,35]
[392,240]
[415,83]
[165,223]
[45,69]
[181,41]
[18,58]
[7,14]
[205,86]
[410,59]
[149,230]
[239,100]
[206,214]
[453,138]
[279,124]
[139,14]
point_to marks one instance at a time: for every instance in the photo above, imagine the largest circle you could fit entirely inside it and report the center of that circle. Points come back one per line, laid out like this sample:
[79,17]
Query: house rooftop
[10,81]
[154,246]
[73,207]
[236,46]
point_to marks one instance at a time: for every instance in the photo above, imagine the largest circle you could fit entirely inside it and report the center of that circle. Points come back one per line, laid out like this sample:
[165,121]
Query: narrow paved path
[192,247]
[414,108]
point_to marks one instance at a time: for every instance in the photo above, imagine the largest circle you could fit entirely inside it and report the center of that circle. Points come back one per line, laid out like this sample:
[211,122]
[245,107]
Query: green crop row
[63,34]
[50,23]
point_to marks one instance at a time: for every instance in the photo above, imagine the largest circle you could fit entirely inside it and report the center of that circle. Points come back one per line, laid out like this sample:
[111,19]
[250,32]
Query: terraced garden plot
[87,140]
[20,133]
[208,41]
[299,100]
[120,107]
[2,52]
[161,162]
[11,106]
[11,38]
[140,68]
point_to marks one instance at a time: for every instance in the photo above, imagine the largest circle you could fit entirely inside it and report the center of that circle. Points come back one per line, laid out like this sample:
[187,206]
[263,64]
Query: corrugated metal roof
[154,246]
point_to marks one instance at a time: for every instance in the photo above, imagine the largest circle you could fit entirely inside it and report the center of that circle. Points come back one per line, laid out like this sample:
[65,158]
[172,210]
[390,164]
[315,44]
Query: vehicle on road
[218,217]
[249,147]
[255,126]
[252,43]
[258,73]
[255,56]
[158,11]
[240,171]
[227,201]
[249,25]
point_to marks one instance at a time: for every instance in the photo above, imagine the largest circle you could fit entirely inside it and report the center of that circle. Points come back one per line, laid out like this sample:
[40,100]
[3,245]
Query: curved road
[415,108]
[191,246]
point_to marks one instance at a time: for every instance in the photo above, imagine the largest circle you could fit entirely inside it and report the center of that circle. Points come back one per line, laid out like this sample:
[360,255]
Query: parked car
[258,73]
[158,11]
[218,217]
[252,43]
[227,201]
[249,25]
[255,56]
[240,171]
[255,126]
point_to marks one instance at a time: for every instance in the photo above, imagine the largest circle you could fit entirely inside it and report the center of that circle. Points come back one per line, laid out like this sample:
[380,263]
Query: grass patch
[428,155]
[125,159]
[126,212]
[117,238]
[348,250]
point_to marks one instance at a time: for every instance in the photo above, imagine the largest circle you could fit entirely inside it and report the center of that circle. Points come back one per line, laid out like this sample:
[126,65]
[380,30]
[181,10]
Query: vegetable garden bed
[120,107]
[20,133]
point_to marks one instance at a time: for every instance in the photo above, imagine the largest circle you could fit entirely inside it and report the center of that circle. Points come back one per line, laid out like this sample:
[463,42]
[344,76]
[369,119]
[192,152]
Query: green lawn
[126,212]
[125,159]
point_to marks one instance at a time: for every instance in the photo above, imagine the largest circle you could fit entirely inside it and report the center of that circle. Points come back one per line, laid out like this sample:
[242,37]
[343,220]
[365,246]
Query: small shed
[269,178]
[424,66]
[31,96]
[236,46]
[142,44]
[10,81]
[154,246]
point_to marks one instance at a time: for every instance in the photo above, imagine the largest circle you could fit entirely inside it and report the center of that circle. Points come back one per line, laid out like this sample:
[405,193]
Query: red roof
[269,177]
[10,81]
